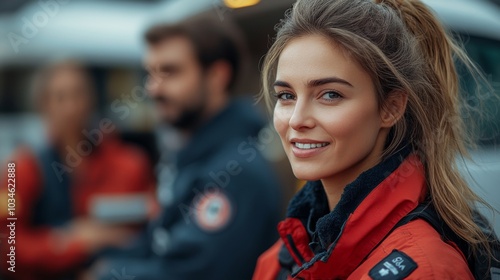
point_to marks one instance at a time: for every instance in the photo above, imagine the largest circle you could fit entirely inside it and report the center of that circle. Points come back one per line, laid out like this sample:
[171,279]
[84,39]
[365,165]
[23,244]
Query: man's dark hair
[212,40]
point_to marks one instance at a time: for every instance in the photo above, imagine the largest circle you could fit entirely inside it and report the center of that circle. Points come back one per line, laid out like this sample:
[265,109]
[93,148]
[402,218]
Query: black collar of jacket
[238,120]
[310,205]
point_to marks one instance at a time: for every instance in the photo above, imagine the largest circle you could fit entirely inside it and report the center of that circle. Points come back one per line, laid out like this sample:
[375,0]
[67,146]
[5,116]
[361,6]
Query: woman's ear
[393,108]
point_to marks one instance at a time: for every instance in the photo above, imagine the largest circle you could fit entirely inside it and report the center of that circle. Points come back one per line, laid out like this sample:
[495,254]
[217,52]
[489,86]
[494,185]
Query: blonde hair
[403,47]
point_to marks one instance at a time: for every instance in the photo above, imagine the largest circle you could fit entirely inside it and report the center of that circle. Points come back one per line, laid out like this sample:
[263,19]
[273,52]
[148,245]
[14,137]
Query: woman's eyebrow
[316,82]
[281,84]
[322,81]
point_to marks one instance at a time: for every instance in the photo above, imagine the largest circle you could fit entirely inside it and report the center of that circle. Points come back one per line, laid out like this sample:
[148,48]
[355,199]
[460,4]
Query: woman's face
[68,102]
[327,113]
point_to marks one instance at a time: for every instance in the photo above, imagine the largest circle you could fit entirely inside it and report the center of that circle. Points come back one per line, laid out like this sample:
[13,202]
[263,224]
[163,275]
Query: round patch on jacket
[212,211]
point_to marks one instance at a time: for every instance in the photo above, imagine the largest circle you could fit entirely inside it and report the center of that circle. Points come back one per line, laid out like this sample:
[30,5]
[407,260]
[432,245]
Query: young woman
[365,97]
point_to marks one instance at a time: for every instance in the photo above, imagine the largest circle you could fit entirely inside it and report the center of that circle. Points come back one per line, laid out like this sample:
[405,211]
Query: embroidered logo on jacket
[396,266]
[213,211]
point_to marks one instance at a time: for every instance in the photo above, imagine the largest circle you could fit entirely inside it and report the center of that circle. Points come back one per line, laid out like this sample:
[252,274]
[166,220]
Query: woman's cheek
[281,120]
[349,119]
[354,130]
[337,122]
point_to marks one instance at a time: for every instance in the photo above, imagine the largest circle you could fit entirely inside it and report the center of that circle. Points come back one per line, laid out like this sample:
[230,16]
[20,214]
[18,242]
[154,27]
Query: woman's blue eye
[331,95]
[285,96]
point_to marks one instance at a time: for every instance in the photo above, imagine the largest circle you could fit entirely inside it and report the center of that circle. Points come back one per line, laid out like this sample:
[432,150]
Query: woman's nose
[302,116]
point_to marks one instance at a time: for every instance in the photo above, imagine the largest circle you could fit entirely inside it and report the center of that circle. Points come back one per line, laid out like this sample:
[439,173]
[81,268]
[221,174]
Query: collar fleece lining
[310,205]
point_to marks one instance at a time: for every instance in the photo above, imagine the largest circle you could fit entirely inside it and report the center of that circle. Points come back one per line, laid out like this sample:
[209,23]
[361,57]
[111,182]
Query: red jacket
[356,240]
[113,168]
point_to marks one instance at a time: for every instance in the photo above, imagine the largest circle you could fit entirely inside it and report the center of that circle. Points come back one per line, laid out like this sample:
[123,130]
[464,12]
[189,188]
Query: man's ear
[393,108]
[219,75]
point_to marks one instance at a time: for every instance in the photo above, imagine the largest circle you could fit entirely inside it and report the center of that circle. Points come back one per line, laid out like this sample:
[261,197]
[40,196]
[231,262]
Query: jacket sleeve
[39,247]
[268,265]
[214,240]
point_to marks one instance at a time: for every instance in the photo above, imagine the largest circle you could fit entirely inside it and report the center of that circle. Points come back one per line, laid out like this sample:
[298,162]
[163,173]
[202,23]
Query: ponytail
[437,48]
[451,196]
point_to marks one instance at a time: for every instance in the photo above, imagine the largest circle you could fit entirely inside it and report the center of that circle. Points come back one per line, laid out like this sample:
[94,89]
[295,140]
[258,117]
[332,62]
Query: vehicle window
[483,100]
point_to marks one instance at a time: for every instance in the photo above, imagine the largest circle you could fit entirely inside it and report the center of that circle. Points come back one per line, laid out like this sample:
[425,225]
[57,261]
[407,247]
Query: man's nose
[153,85]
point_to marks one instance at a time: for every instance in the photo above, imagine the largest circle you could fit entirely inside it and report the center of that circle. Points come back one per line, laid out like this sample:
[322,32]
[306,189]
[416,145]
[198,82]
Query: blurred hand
[96,235]
[86,275]
[98,268]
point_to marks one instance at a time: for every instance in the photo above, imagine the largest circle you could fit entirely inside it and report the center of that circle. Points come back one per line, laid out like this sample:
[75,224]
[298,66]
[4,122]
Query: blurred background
[107,36]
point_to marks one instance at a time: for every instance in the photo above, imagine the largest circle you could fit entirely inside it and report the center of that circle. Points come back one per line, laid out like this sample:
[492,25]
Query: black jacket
[222,209]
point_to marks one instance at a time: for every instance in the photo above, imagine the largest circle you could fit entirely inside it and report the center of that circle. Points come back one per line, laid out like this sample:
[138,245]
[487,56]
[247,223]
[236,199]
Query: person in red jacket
[63,191]
[365,97]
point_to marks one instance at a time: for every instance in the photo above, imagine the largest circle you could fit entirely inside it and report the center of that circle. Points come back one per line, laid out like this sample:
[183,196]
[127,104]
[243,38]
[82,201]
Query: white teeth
[307,146]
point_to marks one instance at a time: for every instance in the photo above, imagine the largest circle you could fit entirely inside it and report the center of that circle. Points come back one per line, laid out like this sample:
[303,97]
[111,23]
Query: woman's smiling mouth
[308,146]
[304,148]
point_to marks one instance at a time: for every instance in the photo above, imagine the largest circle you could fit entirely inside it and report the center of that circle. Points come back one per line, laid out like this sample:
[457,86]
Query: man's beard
[190,117]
